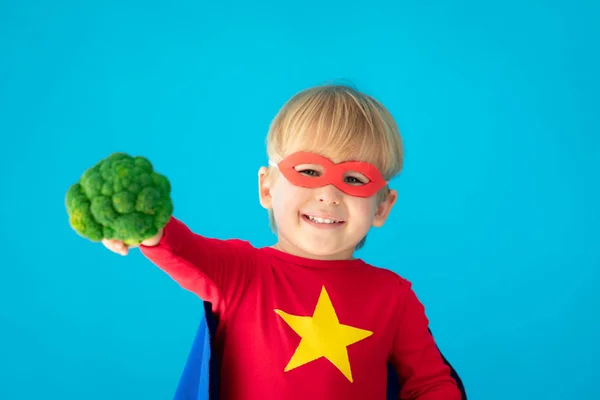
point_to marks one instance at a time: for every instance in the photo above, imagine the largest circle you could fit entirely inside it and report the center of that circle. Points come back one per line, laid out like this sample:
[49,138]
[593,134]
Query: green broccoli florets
[120,198]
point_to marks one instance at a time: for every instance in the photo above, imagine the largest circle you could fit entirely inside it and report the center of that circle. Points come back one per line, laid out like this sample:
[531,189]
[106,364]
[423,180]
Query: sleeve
[215,270]
[421,368]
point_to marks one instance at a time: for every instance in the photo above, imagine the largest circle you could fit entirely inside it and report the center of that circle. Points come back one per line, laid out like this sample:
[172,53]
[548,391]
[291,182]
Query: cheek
[286,197]
[362,209]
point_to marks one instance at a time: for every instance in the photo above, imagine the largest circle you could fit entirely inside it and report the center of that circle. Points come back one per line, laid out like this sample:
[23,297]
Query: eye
[309,172]
[355,180]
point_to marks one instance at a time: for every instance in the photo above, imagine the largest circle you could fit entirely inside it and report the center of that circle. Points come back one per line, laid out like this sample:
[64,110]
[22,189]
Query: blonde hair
[341,123]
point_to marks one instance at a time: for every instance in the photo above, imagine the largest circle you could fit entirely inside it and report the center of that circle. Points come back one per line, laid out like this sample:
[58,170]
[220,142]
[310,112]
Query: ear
[264,188]
[383,210]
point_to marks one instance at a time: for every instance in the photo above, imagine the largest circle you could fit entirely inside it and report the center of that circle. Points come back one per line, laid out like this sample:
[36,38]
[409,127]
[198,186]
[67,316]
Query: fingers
[116,246]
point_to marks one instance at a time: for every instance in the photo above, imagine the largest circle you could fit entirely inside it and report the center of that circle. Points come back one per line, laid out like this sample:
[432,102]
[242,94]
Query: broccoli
[122,198]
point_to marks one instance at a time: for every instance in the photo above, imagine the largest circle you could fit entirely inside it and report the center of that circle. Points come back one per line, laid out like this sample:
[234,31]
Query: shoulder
[385,273]
[386,279]
[395,287]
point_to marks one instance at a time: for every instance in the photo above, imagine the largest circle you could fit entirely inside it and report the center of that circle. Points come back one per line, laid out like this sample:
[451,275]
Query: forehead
[314,158]
[336,155]
[337,142]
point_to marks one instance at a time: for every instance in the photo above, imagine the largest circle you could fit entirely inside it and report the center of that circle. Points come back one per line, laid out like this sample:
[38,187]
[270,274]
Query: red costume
[297,328]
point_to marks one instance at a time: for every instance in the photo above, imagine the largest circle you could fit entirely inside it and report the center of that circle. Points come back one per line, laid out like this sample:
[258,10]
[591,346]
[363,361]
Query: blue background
[498,219]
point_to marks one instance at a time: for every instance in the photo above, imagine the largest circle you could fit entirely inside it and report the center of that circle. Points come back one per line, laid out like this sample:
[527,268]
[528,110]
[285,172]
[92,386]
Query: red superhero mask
[329,173]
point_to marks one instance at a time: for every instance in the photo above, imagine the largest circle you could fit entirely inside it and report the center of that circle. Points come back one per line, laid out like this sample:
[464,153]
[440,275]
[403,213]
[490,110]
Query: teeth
[322,220]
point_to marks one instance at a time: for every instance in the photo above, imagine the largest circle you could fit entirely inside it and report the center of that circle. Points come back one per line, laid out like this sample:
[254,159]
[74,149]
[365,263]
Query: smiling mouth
[318,220]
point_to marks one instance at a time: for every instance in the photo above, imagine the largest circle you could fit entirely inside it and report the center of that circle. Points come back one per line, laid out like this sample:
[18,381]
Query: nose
[329,195]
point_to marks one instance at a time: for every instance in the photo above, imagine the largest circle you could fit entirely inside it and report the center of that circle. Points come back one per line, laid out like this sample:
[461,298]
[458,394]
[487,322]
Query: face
[323,209]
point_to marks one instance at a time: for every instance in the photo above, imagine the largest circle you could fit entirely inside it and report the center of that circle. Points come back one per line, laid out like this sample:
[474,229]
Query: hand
[119,247]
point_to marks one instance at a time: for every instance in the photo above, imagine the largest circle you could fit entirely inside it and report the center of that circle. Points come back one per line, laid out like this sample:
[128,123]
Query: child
[305,319]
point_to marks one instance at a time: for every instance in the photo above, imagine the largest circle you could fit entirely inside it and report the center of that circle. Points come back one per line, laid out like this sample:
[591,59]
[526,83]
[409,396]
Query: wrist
[154,240]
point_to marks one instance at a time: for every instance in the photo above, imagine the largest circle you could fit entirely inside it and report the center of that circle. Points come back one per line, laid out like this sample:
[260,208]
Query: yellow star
[323,336]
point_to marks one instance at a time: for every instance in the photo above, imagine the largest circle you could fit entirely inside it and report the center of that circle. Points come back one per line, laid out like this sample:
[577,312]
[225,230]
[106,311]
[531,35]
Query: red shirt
[297,328]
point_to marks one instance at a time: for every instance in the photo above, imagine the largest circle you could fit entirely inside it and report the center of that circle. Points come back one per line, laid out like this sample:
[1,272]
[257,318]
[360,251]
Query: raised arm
[216,270]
